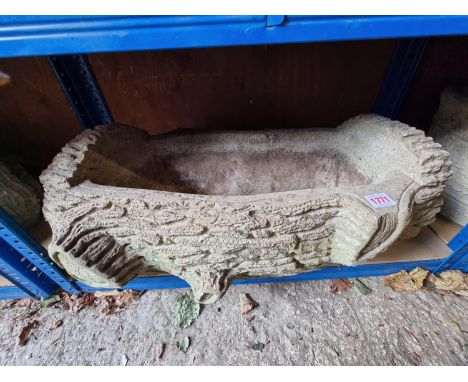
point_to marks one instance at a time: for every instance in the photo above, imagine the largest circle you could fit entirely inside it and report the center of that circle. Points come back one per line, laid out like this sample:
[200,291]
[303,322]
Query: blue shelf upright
[25,263]
[67,39]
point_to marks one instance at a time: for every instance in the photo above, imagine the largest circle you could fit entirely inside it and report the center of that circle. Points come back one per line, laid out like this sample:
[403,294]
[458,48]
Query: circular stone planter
[211,207]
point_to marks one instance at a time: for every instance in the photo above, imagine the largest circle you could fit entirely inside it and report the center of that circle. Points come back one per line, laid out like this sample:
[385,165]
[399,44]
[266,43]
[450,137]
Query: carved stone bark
[450,128]
[20,193]
[211,207]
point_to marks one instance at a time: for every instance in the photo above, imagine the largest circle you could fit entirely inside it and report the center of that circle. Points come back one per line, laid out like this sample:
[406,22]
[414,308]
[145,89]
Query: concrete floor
[295,324]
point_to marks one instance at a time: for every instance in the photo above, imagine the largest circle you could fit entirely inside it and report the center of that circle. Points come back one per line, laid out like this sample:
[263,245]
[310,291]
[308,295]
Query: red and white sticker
[380,200]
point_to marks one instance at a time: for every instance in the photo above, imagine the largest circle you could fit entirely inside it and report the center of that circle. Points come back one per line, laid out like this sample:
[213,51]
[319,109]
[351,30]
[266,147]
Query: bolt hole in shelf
[430,244]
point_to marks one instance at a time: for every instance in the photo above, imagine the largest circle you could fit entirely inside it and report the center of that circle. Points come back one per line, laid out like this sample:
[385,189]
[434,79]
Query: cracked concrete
[294,324]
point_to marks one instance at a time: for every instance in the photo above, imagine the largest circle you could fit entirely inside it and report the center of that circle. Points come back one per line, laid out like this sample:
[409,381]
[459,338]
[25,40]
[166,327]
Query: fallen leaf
[56,324]
[117,302]
[404,281]
[9,304]
[361,287]
[416,357]
[26,332]
[340,285]
[5,79]
[186,310]
[110,303]
[454,326]
[28,356]
[160,347]
[183,344]
[452,280]
[246,303]
[24,302]
[410,334]
[87,300]
[49,301]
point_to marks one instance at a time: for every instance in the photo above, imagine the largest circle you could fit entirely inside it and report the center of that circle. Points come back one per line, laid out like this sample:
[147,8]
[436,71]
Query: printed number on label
[380,200]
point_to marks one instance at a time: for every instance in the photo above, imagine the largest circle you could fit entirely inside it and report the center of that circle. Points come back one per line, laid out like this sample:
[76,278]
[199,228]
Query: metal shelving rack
[67,39]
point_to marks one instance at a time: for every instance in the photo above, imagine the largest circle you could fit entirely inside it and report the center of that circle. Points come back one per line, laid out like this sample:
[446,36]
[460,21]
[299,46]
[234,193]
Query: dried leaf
[453,281]
[9,304]
[87,300]
[340,285]
[24,302]
[361,287]
[186,310]
[5,79]
[404,281]
[56,324]
[26,332]
[410,334]
[183,344]
[120,302]
[160,347]
[246,303]
[49,301]
[454,326]
[416,357]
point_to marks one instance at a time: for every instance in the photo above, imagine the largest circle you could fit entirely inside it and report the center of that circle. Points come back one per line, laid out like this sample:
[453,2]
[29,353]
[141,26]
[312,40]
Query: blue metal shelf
[368,270]
[54,35]
[24,262]
[66,40]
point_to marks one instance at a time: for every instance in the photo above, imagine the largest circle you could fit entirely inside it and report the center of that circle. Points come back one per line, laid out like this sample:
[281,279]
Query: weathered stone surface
[211,207]
[20,193]
[450,128]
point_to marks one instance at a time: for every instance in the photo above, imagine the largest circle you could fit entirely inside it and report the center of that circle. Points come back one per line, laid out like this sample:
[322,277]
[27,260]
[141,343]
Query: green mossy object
[183,344]
[186,310]
[361,287]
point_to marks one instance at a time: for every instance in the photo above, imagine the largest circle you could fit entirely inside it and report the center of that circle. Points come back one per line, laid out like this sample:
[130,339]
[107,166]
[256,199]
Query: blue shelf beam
[21,272]
[21,254]
[66,40]
[459,257]
[12,293]
[400,72]
[56,35]
[368,270]
[77,80]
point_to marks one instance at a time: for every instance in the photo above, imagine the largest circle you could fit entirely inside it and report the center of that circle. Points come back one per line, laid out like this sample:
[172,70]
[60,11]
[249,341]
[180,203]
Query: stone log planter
[450,129]
[20,193]
[211,207]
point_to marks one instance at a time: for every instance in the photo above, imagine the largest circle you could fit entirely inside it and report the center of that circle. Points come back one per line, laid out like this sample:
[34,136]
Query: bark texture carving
[211,207]
[20,193]
[450,128]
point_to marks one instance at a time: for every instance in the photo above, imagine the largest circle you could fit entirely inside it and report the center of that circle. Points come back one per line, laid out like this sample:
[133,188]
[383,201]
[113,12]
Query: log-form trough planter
[211,207]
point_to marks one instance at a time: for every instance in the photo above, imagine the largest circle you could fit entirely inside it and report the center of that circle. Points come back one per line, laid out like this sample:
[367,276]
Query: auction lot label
[380,200]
